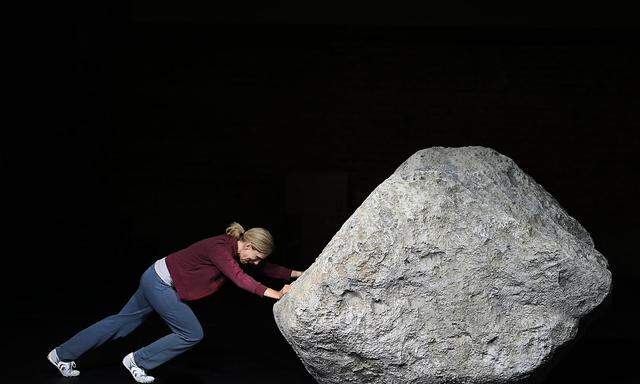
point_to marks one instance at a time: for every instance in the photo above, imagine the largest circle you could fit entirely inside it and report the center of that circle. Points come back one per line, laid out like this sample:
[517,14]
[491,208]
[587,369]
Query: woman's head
[254,245]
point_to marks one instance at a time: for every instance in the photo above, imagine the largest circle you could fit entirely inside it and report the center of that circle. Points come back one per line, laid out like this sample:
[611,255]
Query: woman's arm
[272,293]
[273,271]
[230,268]
[276,271]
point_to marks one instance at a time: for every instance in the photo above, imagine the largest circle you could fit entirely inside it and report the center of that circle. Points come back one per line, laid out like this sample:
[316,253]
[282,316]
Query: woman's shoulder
[219,242]
[223,238]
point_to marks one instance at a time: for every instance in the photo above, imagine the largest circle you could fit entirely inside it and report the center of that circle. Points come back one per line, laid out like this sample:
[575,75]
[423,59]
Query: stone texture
[459,267]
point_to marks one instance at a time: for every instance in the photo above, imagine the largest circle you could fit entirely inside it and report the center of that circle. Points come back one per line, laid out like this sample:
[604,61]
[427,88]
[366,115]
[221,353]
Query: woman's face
[249,255]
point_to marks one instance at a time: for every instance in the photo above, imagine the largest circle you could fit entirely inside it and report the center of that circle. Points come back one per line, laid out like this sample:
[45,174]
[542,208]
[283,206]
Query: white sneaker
[138,373]
[65,367]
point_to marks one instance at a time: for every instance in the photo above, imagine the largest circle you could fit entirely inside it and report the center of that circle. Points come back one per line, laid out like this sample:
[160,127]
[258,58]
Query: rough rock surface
[457,268]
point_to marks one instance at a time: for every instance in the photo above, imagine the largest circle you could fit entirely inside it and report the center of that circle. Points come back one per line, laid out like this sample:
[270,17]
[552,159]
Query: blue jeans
[152,295]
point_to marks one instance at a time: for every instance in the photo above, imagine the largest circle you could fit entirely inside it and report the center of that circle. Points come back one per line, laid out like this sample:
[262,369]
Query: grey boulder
[459,267]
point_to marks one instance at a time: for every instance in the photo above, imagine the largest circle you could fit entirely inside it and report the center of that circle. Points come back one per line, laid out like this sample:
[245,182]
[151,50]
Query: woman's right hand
[284,290]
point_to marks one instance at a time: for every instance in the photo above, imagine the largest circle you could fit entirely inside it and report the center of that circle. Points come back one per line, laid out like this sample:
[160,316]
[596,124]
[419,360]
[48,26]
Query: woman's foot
[138,373]
[65,367]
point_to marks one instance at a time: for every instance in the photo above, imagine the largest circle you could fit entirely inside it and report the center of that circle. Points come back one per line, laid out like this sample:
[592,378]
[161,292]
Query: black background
[150,125]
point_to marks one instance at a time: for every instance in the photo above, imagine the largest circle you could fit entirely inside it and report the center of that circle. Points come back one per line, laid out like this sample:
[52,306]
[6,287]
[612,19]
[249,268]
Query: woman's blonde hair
[260,238]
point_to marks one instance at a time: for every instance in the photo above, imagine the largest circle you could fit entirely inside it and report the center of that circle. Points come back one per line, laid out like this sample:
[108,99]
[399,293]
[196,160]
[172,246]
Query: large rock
[457,268]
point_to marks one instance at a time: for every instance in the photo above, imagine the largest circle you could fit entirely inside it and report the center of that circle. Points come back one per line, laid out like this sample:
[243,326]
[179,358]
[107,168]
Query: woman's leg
[112,327]
[186,328]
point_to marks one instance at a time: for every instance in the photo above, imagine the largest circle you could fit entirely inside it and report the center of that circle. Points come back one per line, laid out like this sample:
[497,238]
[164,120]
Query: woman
[188,274]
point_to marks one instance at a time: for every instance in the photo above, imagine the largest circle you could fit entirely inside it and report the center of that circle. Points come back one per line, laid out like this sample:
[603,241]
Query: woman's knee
[195,335]
[198,335]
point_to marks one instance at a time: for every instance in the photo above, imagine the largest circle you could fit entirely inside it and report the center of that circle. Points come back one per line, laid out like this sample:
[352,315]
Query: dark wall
[452,13]
[164,133]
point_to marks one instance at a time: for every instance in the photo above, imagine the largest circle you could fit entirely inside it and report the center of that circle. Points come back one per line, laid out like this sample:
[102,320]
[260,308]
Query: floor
[605,353]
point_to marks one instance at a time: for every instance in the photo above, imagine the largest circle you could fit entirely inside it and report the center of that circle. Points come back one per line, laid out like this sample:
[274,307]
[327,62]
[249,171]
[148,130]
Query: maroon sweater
[201,268]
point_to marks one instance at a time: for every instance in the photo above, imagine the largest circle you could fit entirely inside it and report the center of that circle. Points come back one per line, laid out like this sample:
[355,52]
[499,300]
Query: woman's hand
[272,293]
[285,290]
[295,273]
[277,294]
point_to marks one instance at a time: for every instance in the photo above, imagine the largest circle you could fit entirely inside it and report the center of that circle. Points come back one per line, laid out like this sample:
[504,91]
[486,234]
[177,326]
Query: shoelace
[66,366]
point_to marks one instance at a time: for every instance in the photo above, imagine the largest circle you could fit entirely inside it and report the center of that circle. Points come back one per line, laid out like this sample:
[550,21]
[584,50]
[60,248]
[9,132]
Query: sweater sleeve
[230,268]
[274,271]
